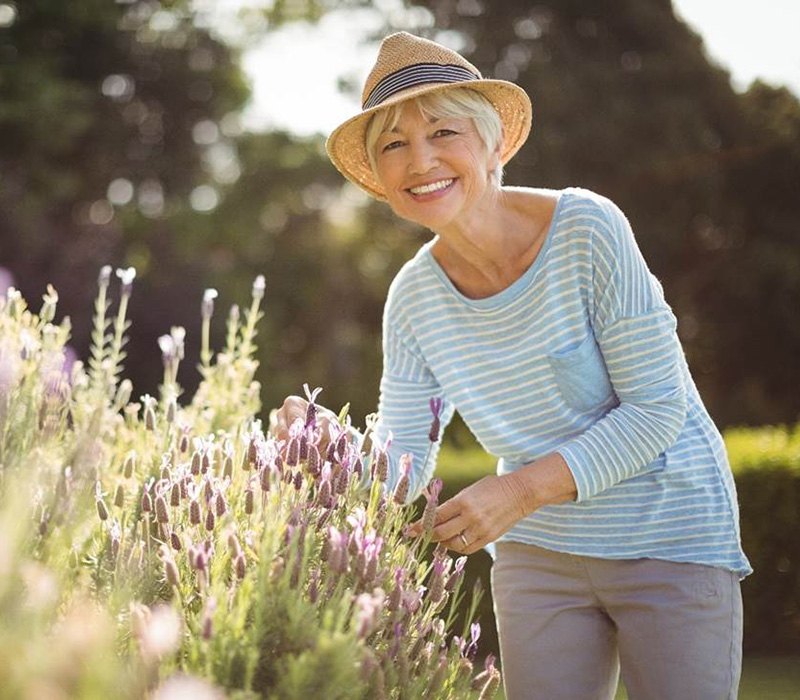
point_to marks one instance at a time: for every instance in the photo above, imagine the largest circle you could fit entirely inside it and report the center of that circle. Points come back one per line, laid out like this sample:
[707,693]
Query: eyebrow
[431,121]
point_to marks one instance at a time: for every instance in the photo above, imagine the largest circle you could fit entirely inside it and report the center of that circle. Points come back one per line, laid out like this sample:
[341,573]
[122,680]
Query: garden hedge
[766,466]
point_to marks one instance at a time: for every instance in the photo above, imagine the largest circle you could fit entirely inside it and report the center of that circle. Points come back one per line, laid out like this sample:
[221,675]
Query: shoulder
[588,212]
[593,207]
[571,207]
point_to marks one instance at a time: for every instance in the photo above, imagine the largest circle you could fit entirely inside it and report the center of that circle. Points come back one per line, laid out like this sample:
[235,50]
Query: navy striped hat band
[417,74]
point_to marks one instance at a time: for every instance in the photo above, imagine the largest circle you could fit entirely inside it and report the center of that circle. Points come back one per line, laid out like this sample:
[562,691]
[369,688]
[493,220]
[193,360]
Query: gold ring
[463,539]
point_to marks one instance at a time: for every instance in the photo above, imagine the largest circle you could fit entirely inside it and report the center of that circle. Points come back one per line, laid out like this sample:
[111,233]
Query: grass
[763,678]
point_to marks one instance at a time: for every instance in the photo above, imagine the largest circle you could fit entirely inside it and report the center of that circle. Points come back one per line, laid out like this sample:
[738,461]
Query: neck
[488,250]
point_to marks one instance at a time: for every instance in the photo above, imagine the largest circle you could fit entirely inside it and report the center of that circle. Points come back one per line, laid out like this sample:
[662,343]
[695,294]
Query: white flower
[127,275]
[167,345]
[258,287]
[181,687]
[158,630]
[104,276]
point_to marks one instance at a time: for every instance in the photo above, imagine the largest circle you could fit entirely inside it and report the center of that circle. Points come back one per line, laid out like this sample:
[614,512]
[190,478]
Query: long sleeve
[636,334]
[407,385]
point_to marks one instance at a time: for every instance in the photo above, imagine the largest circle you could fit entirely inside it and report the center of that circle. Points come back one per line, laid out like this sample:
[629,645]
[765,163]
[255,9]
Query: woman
[533,313]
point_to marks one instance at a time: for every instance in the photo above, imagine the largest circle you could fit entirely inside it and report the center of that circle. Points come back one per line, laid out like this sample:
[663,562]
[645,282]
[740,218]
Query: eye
[444,132]
[392,145]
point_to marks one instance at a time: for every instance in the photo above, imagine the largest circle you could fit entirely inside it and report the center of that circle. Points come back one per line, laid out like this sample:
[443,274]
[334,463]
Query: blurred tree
[626,103]
[109,114]
[120,143]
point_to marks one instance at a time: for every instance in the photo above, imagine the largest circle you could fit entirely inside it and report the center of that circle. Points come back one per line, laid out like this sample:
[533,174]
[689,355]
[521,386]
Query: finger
[449,530]
[448,510]
[413,529]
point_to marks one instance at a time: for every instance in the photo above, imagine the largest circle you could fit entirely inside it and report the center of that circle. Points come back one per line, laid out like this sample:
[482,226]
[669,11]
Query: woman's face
[434,171]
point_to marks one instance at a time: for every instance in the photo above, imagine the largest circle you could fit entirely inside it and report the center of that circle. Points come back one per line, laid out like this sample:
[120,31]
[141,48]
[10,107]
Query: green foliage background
[625,102]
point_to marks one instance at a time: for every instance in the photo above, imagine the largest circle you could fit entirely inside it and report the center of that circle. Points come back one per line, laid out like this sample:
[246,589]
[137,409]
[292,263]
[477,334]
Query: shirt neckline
[513,290]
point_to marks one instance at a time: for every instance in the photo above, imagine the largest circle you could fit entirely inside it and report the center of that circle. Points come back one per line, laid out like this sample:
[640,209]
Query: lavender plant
[211,552]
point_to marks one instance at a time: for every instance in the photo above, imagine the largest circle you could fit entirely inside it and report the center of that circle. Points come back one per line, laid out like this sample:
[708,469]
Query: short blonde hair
[461,102]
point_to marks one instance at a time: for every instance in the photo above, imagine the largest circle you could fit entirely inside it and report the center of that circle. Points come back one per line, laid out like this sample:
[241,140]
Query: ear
[493,159]
[496,153]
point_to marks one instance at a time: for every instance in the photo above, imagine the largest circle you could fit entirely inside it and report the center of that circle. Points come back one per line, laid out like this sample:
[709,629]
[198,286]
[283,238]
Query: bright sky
[295,71]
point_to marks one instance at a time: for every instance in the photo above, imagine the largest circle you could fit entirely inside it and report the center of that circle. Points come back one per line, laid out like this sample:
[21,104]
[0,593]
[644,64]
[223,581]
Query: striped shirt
[578,356]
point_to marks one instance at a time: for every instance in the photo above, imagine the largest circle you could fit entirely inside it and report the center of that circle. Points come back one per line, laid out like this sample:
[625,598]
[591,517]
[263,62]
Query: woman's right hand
[281,419]
[294,407]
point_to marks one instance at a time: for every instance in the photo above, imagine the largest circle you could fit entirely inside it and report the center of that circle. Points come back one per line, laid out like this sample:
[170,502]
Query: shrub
[204,554]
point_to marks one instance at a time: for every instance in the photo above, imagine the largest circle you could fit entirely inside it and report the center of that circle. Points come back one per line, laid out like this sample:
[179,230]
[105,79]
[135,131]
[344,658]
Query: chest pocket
[581,375]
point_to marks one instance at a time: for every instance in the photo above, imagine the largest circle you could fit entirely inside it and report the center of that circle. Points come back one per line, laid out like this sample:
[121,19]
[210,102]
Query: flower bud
[171,572]
[102,511]
[249,501]
[175,541]
[264,479]
[491,687]
[175,495]
[196,462]
[129,464]
[241,566]
[149,418]
[162,515]
[194,512]
[313,460]
[293,452]
[119,496]
[172,410]
[227,467]
[210,520]
[123,395]
[382,466]
[221,505]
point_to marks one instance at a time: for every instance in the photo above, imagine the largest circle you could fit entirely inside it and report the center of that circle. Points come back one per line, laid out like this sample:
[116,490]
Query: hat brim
[346,145]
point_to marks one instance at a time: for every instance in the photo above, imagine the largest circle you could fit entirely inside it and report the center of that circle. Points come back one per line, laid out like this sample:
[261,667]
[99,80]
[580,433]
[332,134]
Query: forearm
[545,481]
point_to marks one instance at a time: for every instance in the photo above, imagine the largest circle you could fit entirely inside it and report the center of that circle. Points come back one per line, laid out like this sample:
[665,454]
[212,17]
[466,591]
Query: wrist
[522,492]
[545,481]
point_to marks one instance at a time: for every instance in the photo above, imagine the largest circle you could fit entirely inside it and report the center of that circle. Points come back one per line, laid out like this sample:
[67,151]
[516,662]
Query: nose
[422,157]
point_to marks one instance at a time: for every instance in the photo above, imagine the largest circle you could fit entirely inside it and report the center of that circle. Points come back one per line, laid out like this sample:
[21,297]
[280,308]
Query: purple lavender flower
[436,426]
[404,482]
[311,410]
[475,635]
[458,573]
[337,550]
[240,566]
[162,516]
[431,493]
[396,596]
[441,567]
[293,452]
[313,460]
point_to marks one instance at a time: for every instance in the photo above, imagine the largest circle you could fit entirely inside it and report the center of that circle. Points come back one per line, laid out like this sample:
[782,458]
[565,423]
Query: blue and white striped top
[578,356]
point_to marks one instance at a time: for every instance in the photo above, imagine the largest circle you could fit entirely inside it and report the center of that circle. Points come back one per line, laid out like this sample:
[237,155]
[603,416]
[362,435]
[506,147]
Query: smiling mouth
[432,187]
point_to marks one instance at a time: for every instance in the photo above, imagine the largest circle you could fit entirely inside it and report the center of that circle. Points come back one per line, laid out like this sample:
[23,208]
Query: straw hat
[407,67]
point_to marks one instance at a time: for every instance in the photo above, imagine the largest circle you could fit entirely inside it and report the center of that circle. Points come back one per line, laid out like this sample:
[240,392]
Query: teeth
[433,187]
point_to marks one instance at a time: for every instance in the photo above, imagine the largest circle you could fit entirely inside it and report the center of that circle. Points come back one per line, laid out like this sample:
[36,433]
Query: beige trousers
[568,625]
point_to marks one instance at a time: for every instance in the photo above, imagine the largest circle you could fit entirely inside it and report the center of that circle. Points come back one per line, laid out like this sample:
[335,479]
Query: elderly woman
[532,312]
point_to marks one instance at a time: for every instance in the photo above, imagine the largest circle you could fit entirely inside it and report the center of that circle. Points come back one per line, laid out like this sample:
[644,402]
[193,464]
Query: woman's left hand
[478,514]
